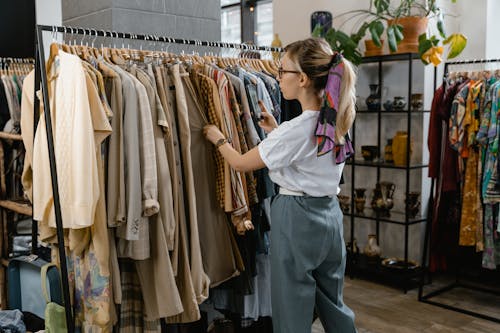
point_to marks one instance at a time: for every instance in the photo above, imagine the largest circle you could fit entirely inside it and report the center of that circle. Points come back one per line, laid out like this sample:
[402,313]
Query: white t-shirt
[290,154]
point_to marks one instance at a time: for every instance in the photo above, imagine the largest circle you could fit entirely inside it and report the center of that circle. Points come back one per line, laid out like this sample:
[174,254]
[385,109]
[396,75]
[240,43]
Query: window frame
[248,18]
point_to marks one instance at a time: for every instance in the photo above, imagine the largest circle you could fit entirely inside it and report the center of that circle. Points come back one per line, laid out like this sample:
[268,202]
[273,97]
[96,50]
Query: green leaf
[422,37]
[381,5]
[434,40]
[391,38]
[424,46]
[398,32]
[457,44]
[440,25]
[318,30]
[360,33]
[376,30]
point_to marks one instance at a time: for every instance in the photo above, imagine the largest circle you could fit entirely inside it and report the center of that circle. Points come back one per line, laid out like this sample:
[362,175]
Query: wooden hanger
[54,52]
[116,57]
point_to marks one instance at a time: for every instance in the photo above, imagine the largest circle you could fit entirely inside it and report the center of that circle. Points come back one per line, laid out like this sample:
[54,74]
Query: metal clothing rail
[428,229]
[154,38]
[41,79]
[465,62]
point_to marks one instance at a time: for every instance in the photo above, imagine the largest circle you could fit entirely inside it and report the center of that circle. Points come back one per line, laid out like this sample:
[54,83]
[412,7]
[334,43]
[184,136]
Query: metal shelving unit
[358,264]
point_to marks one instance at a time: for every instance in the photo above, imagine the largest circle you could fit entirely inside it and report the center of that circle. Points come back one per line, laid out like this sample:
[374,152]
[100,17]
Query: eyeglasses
[281,71]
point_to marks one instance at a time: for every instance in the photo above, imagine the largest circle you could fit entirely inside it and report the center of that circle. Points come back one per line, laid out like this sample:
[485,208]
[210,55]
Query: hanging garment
[76,168]
[221,258]
[200,280]
[133,197]
[156,274]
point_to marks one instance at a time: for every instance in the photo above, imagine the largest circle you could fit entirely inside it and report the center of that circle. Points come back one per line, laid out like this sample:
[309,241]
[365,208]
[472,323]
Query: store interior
[420,210]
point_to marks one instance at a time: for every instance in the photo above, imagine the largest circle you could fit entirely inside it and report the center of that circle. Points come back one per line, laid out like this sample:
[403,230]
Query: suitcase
[24,289]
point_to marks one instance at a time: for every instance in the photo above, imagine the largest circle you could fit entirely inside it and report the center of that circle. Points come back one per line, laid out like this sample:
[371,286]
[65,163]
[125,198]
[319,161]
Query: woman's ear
[304,81]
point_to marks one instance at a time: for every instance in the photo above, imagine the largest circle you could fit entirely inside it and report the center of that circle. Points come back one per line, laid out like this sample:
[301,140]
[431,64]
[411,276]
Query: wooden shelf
[18,207]
[10,136]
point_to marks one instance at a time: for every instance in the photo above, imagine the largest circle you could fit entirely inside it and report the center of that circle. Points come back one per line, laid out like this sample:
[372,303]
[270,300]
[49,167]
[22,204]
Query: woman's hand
[267,121]
[212,133]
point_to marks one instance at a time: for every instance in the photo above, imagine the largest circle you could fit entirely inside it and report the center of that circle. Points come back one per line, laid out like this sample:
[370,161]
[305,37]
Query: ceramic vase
[372,249]
[373,100]
[388,152]
[400,148]
[412,204]
[417,102]
[399,103]
[345,202]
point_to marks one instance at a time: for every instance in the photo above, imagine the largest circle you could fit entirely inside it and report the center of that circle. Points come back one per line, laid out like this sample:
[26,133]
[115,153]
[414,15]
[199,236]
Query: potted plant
[404,23]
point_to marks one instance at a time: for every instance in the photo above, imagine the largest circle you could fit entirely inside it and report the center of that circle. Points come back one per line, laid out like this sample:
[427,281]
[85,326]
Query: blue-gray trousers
[308,259]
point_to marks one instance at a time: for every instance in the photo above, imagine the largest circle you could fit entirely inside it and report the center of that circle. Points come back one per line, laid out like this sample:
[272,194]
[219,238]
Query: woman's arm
[247,162]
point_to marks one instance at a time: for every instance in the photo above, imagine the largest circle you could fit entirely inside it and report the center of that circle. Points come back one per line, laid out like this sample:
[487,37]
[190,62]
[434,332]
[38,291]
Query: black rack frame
[457,283]
[41,82]
[406,273]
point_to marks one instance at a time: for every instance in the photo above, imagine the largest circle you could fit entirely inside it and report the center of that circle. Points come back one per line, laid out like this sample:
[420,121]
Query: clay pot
[345,202]
[400,148]
[373,50]
[413,26]
[388,152]
[412,204]
[372,249]
[360,205]
[370,152]
[417,102]
[373,100]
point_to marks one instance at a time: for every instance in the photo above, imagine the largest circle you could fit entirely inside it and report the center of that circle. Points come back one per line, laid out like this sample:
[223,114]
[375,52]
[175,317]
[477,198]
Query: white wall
[291,18]
[48,12]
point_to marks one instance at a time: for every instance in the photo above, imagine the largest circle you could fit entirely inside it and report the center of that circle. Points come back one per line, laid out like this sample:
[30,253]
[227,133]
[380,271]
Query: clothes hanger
[54,51]
[115,55]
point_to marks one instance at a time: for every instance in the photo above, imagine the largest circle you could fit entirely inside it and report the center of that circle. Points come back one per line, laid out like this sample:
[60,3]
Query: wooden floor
[381,309]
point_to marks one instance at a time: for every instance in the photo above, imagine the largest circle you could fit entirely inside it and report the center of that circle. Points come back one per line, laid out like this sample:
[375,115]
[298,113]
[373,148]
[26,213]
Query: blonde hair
[314,58]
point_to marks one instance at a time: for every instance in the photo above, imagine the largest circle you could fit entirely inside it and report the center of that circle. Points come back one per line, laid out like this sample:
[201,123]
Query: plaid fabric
[251,182]
[131,315]
[206,93]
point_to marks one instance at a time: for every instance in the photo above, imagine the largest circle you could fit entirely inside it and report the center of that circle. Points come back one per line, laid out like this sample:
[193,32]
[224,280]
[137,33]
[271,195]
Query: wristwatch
[220,142]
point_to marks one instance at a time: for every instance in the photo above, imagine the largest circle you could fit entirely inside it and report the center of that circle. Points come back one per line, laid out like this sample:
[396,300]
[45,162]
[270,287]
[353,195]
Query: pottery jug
[400,148]
[399,103]
[373,101]
[388,152]
[372,249]
[412,204]
[345,202]
[276,43]
[417,102]
[352,248]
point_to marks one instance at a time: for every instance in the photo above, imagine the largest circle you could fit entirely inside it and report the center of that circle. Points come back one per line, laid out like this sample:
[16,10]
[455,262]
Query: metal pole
[55,187]
[36,116]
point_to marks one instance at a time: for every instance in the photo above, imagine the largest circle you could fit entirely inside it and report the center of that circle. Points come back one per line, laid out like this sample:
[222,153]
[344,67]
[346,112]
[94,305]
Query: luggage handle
[43,276]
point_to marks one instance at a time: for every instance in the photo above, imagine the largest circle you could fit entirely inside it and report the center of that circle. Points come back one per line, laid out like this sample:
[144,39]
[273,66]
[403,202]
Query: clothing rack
[41,79]
[154,38]
[5,62]
[428,228]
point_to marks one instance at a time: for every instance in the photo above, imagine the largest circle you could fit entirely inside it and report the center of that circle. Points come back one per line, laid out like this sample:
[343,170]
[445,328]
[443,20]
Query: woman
[305,157]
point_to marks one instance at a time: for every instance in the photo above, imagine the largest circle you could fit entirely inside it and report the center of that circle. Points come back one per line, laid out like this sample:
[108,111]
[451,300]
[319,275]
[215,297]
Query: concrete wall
[188,19]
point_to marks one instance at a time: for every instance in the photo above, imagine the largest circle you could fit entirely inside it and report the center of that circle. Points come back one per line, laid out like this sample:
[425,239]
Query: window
[231,24]
[247,21]
[264,23]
